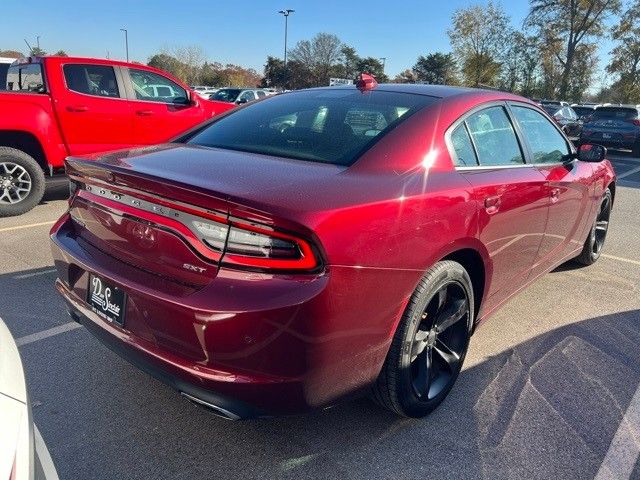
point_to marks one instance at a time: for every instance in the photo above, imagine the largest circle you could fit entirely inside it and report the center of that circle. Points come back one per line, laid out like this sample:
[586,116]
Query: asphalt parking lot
[550,388]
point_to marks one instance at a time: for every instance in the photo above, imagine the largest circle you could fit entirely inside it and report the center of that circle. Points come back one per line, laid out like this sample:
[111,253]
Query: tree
[319,55]
[478,35]
[275,74]
[436,68]
[168,63]
[406,76]
[11,54]
[625,57]
[480,70]
[570,23]
[61,53]
[350,60]
[37,52]
[372,66]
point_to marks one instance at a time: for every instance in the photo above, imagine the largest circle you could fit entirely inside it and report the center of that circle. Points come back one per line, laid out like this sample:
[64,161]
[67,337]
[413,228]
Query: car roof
[437,91]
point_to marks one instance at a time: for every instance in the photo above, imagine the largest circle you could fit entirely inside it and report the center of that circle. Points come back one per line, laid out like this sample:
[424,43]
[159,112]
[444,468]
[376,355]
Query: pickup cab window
[151,87]
[25,78]
[98,80]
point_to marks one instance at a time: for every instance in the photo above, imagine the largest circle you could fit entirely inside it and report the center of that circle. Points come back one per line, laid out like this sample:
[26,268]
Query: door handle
[77,108]
[144,113]
[492,204]
[555,194]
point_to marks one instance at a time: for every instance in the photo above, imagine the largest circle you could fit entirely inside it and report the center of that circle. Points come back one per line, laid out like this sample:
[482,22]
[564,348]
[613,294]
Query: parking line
[630,172]
[624,450]
[48,468]
[34,337]
[31,225]
[34,274]
[621,259]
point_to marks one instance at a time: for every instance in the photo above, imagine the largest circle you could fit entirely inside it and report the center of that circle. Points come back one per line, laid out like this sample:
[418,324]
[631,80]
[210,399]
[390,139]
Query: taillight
[230,241]
[636,122]
[259,247]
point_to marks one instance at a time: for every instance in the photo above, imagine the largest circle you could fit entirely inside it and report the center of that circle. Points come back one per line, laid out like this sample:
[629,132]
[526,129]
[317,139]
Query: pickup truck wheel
[430,344]
[21,182]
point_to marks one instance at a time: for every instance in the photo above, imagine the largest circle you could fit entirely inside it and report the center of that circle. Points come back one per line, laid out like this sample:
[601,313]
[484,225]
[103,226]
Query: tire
[636,150]
[597,235]
[403,386]
[22,182]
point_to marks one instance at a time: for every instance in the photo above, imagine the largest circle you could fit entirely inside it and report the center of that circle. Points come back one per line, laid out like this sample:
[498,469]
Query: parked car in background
[584,110]
[204,91]
[60,106]
[5,62]
[565,116]
[238,95]
[23,454]
[326,242]
[614,126]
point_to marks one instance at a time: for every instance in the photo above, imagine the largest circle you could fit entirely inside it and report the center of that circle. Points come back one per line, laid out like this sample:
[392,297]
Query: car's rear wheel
[597,235]
[430,343]
[22,182]
[636,150]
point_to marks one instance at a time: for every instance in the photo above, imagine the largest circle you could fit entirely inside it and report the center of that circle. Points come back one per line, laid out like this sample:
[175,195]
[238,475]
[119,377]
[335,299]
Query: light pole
[286,14]
[126,41]
[38,41]
[384,60]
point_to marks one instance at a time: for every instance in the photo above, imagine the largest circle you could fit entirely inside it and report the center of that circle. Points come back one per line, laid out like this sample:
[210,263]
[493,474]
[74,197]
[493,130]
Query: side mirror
[241,101]
[591,153]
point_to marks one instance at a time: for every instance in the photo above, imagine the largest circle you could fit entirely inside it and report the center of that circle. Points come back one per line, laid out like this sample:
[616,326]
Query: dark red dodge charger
[326,242]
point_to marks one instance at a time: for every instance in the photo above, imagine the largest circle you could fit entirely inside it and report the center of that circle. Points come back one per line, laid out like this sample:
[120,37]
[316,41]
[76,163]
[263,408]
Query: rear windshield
[615,112]
[583,110]
[329,125]
[551,109]
[226,94]
[25,78]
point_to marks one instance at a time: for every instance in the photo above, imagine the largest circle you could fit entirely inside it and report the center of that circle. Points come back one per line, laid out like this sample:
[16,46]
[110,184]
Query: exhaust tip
[215,409]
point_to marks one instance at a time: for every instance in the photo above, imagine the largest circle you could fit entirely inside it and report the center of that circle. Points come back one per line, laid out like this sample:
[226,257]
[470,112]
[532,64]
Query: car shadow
[550,405]
[56,188]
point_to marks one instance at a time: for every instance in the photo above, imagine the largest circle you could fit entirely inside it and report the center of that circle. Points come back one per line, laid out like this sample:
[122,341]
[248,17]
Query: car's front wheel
[22,182]
[597,235]
[430,343]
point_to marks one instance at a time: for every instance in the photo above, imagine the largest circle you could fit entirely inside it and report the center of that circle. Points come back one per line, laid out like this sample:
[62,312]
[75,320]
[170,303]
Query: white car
[238,95]
[204,91]
[23,454]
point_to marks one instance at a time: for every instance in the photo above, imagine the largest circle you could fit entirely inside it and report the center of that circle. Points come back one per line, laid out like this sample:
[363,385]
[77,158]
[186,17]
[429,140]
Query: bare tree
[319,55]
[571,23]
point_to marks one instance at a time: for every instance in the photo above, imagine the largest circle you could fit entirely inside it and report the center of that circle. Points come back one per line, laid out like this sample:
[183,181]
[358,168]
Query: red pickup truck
[59,106]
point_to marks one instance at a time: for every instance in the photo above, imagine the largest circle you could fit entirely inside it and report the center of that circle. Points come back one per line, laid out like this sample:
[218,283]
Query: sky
[241,32]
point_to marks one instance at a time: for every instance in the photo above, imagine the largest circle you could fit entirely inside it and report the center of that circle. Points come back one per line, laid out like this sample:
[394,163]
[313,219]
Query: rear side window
[325,125]
[151,87]
[4,68]
[98,80]
[463,148]
[494,137]
[546,143]
[26,78]
[615,113]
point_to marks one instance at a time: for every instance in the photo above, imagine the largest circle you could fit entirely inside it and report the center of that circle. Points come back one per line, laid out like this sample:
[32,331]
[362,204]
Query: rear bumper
[625,143]
[248,343]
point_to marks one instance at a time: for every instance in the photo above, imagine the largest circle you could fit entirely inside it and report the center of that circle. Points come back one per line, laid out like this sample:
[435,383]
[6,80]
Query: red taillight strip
[169,223]
[307,261]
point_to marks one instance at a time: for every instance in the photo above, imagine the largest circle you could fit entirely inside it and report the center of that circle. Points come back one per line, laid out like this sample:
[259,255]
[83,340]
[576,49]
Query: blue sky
[241,32]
